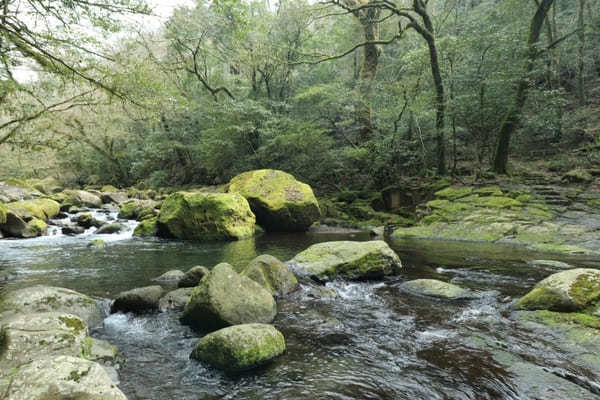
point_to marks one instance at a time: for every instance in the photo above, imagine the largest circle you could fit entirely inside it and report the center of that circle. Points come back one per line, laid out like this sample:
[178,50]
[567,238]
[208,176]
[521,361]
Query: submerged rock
[280,202]
[224,298]
[192,277]
[172,276]
[572,290]
[40,298]
[271,274]
[108,229]
[240,348]
[206,216]
[437,289]
[61,377]
[175,300]
[138,300]
[346,259]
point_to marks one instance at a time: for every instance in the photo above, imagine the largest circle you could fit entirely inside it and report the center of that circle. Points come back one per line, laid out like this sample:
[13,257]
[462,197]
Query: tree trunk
[513,115]
[369,21]
[581,54]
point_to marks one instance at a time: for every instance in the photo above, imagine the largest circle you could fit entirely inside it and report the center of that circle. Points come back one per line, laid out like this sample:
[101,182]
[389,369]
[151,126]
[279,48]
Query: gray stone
[175,300]
[193,276]
[138,300]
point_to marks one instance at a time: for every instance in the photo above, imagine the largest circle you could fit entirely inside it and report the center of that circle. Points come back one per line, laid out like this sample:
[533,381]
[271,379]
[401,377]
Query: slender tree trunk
[513,115]
[581,54]
[369,21]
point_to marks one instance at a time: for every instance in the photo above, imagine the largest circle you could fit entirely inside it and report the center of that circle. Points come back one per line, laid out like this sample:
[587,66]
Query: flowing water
[349,340]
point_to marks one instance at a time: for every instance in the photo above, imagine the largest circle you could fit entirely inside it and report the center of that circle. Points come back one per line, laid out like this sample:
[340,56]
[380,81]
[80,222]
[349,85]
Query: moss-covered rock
[437,289]
[206,216]
[38,208]
[35,227]
[147,227]
[346,259]
[271,274]
[193,276]
[62,377]
[2,214]
[175,300]
[224,298]
[13,226]
[280,202]
[138,209]
[578,176]
[454,192]
[572,290]
[138,300]
[78,198]
[41,298]
[86,220]
[240,348]
[109,229]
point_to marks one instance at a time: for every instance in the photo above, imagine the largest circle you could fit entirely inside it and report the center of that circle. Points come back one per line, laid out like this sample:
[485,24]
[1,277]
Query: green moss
[585,290]
[2,214]
[552,318]
[498,202]
[38,208]
[489,191]
[147,227]
[76,375]
[541,299]
[74,324]
[454,192]
[97,243]
[109,189]
[19,183]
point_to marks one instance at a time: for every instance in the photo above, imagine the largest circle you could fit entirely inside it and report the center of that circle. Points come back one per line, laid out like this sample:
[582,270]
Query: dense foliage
[228,85]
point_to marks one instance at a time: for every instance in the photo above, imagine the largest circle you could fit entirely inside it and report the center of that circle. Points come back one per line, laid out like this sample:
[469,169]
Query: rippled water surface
[365,340]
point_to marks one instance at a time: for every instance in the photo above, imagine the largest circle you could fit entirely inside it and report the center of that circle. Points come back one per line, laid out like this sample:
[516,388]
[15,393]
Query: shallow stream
[348,341]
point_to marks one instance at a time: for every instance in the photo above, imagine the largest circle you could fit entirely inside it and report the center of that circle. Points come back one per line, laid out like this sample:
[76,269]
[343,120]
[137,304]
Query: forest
[342,94]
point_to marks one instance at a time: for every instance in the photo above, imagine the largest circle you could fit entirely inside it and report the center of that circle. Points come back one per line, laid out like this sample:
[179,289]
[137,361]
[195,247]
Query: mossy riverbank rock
[206,216]
[241,347]
[271,274]
[437,289]
[572,290]
[192,276]
[40,298]
[13,225]
[280,202]
[224,298]
[138,300]
[62,377]
[347,259]
[38,208]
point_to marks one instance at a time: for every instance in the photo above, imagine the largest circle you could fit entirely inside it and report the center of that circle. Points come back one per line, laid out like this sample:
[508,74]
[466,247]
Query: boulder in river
[78,198]
[193,276]
[13,225]
[86,220]
[347,259]
[138,300]
[72,230]
[40,298]
[206,216]
[279,201]
[146,227]
[175,299]
[138,209]
[172,276]
[108,229]
[114,197]
[62,377]
[571,290]
[241,347]
[35,227]
[224,298]
[37,208]
[437,289]
[2,214]
[272,275]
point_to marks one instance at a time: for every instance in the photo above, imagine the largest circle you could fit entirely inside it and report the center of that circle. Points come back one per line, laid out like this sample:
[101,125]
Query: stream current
[348,340]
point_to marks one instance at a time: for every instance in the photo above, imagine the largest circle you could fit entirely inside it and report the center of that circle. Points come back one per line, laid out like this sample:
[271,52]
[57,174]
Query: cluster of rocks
[47,351]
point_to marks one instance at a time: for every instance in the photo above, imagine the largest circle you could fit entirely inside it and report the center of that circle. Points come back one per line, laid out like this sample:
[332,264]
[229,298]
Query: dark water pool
[368,341]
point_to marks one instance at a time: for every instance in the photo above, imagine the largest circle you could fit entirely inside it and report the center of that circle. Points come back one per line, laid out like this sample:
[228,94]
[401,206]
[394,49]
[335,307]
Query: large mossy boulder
[41,298]
[138,209]
[572,290]
[241,347]
[61,377]
[280,202]
[38,208]
[78,198]
[29,336]
[224,298]
[437,289]
[147,227]
[346,259]
[206,216]
[138,300]
[271,274]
